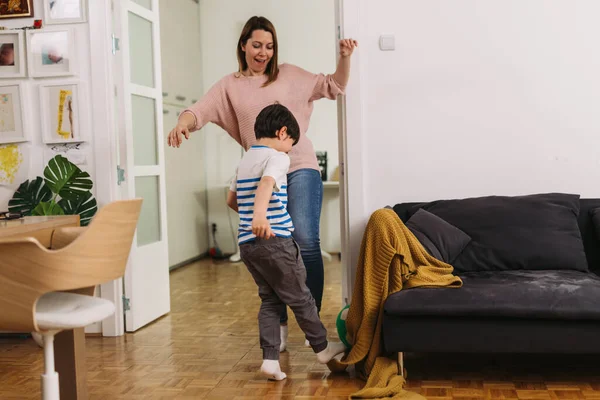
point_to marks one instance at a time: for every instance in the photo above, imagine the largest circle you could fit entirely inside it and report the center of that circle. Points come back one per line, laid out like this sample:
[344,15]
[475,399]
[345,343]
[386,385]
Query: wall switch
[387,42]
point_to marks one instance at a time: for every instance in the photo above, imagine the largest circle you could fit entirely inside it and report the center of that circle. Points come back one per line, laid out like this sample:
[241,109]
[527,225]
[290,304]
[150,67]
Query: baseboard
[336,257]
[13,335]
[94,328]
[91,330]
[188,261]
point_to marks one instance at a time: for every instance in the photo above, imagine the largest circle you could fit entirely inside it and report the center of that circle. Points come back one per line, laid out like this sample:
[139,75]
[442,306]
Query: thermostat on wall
[387,42]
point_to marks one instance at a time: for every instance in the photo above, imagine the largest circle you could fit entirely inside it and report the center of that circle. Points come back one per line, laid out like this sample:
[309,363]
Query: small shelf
[326,184]
[331,184]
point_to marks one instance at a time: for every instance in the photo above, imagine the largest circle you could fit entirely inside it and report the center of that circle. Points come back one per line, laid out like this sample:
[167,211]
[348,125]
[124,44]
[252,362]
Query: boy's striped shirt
[262,161]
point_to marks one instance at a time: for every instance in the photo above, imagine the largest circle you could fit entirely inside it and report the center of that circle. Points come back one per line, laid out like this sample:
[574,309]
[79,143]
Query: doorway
[202,37]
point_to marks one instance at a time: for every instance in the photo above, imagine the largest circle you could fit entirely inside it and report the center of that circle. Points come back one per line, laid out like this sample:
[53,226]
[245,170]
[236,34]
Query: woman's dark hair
[253,24]
[274,117]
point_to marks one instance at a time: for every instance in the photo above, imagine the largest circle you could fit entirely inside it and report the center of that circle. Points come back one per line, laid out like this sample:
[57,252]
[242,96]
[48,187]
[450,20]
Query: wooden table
[69,346]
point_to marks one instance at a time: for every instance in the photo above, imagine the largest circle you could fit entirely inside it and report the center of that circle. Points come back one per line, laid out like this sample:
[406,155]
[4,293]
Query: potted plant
[64,190]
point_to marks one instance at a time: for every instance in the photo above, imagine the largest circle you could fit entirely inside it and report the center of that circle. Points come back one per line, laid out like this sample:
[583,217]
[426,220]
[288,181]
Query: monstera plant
[64,189]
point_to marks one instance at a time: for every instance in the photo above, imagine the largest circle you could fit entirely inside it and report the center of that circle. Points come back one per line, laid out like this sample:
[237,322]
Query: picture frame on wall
[12,110]
[65,11]
[61,106]
[16,9]
[50,52]
[12,54]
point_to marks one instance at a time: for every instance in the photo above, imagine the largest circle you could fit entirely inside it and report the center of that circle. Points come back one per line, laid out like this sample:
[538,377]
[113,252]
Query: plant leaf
[48,208]
[66,179]
[85,205]
[29,195]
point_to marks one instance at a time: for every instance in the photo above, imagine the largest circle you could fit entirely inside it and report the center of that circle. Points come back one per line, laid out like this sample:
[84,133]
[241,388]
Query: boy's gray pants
[278,270]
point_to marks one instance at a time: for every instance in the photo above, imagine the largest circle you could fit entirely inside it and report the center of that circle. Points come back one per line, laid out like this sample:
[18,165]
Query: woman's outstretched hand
[177,134]
[347,47]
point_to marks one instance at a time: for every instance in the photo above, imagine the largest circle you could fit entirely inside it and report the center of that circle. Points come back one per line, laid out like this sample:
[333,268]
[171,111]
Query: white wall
[39,153]
[306,34]
[479,98]
[185,166]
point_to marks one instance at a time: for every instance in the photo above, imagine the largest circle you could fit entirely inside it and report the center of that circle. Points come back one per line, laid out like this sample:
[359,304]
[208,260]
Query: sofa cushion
[590,235]
[534,232]
[441,239]
[595,214]
[568,295]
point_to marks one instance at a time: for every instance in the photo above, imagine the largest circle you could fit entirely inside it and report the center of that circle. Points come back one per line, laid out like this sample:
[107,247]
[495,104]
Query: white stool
[58,311]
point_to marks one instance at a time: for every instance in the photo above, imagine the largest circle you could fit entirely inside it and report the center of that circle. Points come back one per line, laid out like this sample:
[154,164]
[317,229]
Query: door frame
[351,122]
[105,146]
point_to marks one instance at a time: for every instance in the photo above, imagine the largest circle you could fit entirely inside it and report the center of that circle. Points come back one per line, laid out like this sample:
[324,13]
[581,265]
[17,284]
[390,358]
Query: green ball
[340,324]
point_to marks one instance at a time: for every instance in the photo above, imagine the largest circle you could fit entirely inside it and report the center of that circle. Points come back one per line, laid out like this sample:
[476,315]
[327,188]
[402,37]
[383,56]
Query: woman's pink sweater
[234,102]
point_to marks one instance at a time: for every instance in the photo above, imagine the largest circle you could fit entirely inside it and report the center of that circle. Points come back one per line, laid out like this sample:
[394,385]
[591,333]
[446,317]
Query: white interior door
[141,154]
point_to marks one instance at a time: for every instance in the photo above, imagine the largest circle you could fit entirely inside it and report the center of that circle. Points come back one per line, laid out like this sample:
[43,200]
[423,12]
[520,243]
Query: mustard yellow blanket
[391,258]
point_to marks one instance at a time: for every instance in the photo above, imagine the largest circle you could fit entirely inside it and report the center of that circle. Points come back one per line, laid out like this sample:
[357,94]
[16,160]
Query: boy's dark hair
[274,117]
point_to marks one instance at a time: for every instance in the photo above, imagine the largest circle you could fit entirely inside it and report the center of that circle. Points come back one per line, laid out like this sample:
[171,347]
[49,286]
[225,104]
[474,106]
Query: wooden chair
[33,279]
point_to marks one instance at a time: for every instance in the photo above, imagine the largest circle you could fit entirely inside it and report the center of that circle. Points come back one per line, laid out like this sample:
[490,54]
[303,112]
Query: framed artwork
[61,105]
[11,113]
[16,9]
[12,54]
[65,11]
[14,164]
[51,52]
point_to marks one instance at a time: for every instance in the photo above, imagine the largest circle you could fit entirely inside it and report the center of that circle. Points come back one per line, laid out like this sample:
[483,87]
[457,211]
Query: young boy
[258,194]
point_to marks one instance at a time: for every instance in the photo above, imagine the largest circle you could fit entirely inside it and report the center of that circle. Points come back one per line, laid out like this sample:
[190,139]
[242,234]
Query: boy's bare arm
[260,225]
[232,201]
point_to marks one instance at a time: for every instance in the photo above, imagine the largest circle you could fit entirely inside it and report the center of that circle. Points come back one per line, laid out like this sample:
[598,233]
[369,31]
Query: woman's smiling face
[259,51]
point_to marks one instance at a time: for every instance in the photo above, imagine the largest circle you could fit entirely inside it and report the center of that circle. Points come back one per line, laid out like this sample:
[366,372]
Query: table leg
[69,350]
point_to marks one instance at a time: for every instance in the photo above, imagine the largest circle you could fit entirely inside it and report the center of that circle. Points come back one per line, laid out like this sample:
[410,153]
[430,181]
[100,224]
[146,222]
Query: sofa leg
[401,371]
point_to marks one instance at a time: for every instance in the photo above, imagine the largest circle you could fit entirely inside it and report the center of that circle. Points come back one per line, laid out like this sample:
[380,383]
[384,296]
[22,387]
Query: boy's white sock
[283,331]
[272,370]
[332,350]
[306,343]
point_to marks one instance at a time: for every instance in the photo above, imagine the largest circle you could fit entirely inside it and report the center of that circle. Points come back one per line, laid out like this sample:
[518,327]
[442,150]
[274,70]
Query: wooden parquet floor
[207,348]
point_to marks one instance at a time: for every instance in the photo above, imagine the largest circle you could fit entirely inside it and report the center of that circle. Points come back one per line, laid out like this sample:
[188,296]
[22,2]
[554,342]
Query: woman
[233,104]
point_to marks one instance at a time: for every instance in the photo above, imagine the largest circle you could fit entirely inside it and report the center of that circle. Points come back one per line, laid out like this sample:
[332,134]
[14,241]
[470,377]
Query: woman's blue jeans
[305,198]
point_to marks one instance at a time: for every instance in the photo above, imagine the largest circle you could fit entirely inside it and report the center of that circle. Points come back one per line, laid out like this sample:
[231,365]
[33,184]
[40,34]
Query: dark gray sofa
[530,279]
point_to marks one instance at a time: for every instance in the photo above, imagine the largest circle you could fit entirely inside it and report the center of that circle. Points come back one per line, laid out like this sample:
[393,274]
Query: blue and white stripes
[277,215]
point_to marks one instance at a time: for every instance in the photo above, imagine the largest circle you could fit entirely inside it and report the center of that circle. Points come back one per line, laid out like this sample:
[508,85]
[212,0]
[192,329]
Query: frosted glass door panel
[144,3]
[148,230]
[143,115]
[141,53]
